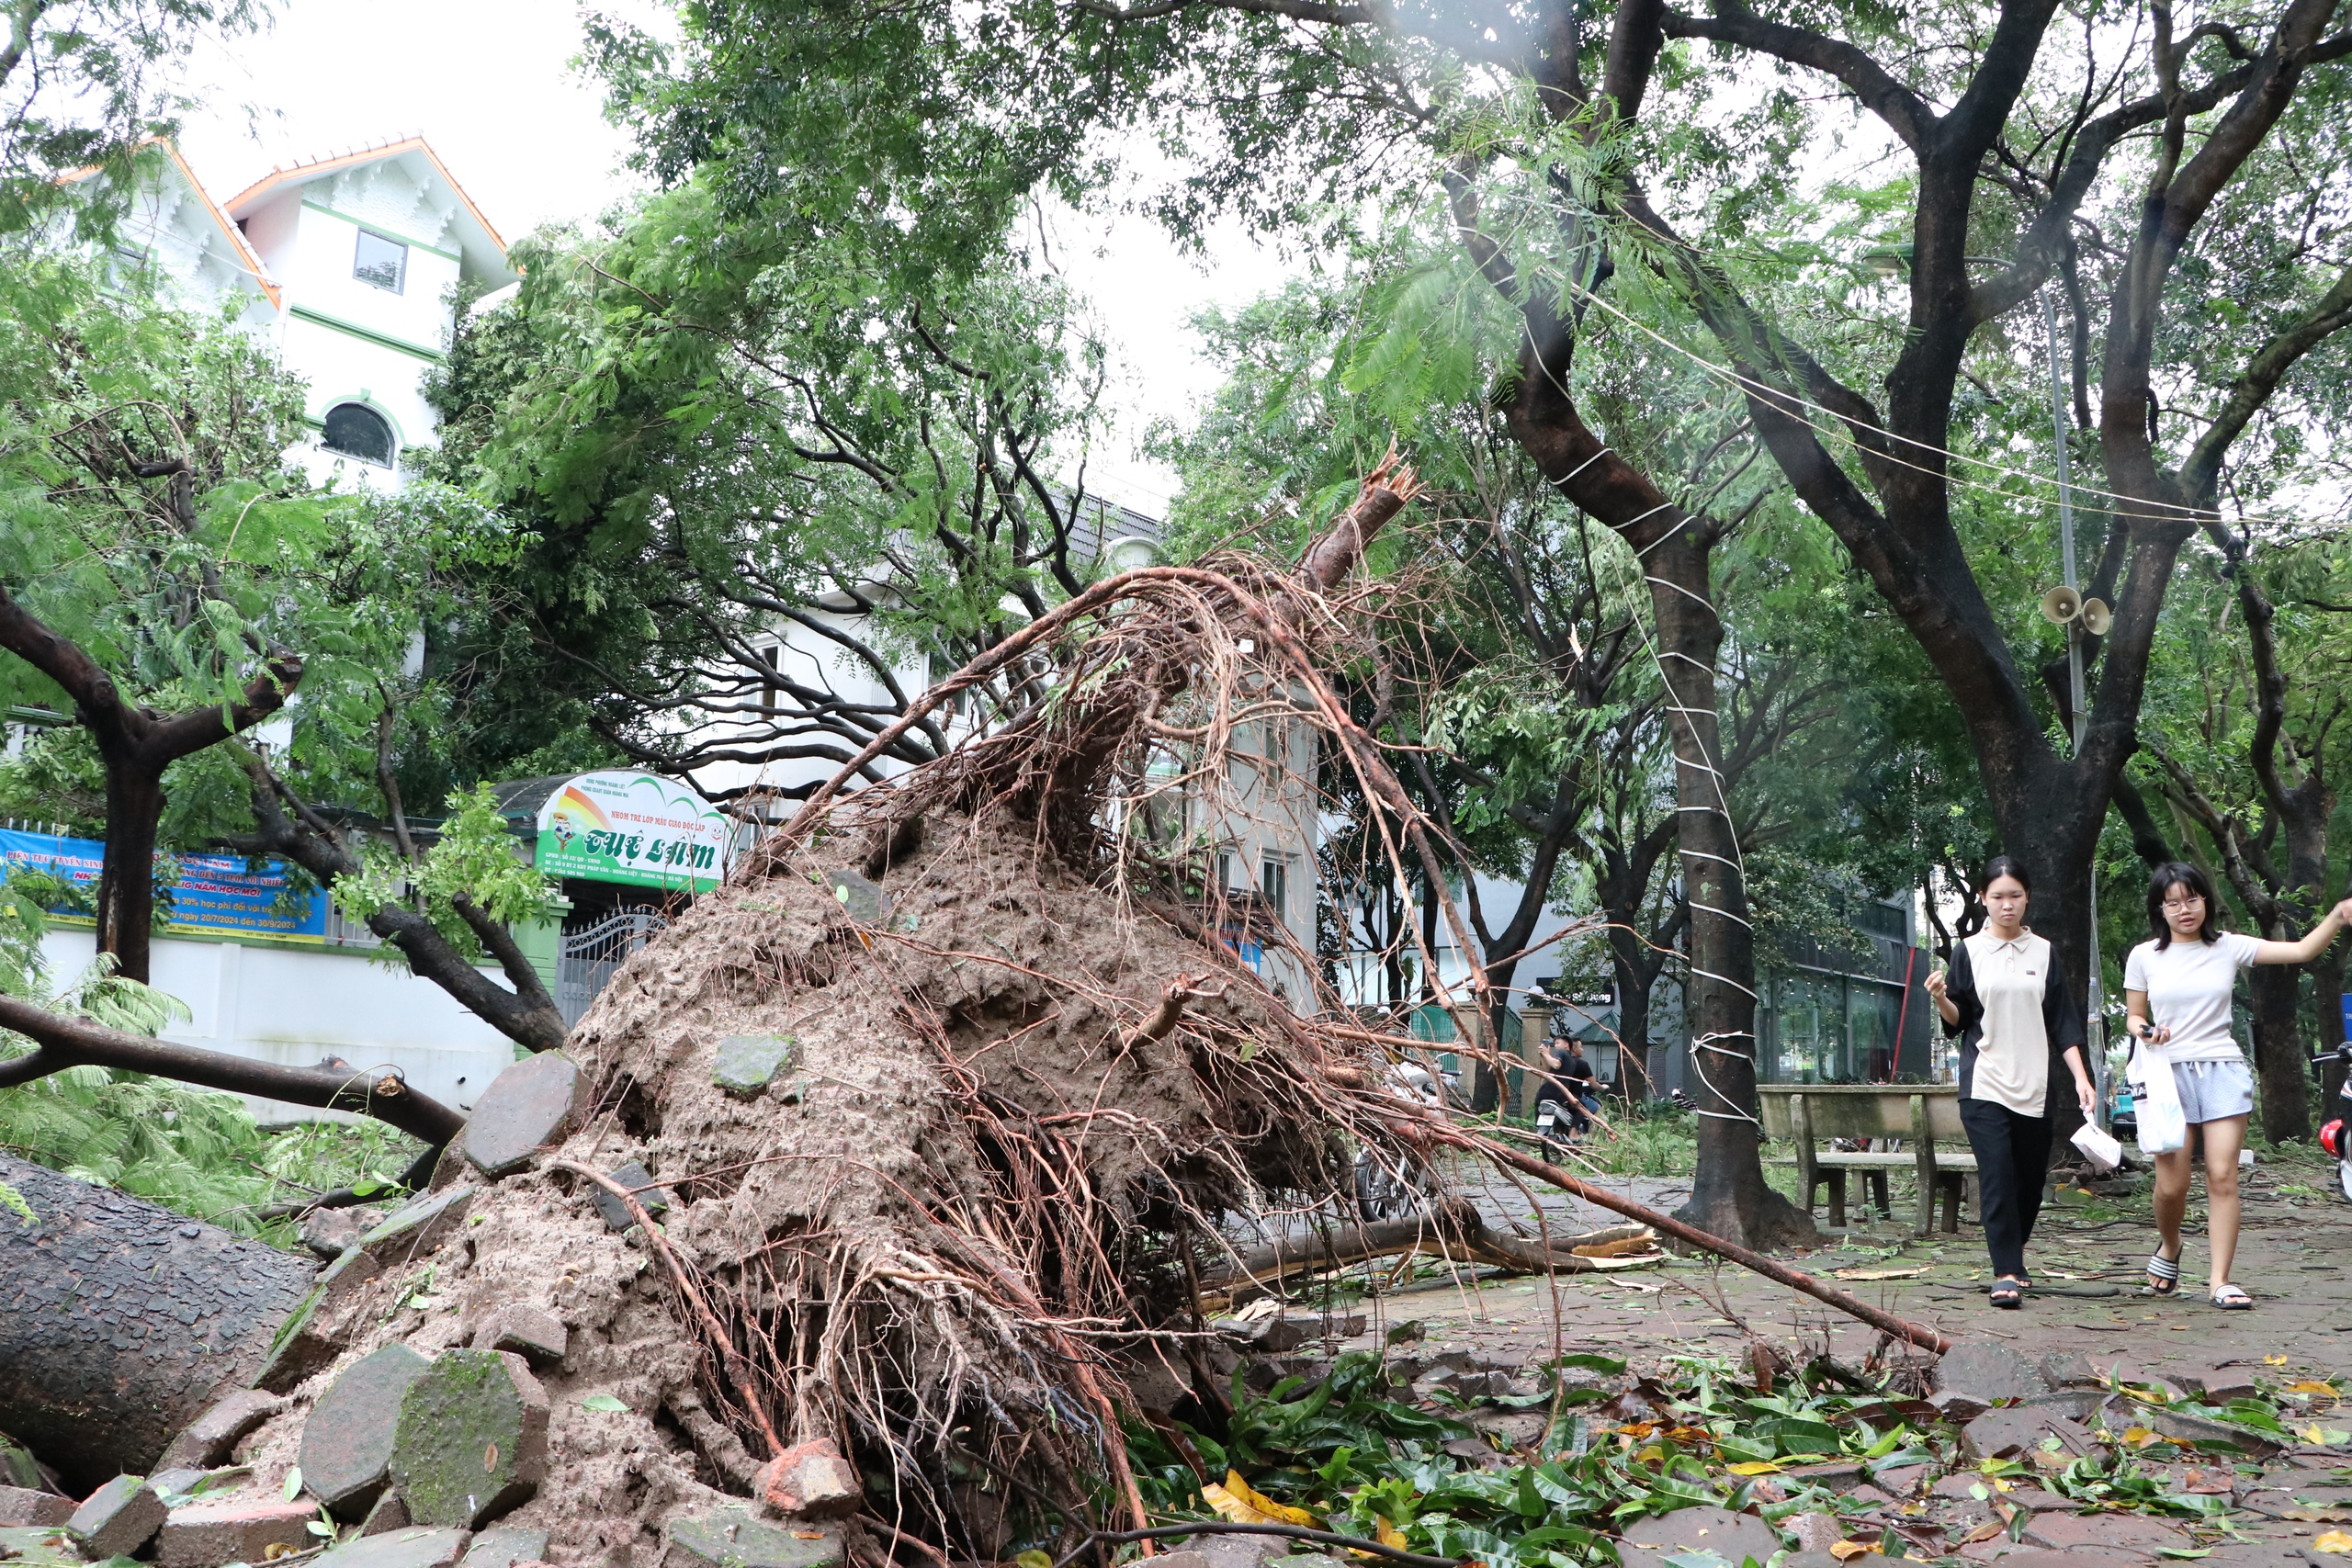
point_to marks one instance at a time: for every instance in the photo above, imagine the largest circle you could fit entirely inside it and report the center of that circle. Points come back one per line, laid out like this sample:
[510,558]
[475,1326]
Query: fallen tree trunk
[1453,1230]
[121,1320]
[1901,1328]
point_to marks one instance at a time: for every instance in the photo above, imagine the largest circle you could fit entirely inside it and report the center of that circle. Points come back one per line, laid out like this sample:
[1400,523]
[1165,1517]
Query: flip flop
[2164,1273]
[2229,1298]
[2009,1295]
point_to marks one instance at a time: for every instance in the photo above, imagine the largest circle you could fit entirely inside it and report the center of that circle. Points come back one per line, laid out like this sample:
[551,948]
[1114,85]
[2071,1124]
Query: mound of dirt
[992,1151]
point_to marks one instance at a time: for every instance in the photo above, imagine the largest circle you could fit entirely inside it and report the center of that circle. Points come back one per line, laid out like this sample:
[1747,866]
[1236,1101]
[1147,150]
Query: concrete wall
[300,1006]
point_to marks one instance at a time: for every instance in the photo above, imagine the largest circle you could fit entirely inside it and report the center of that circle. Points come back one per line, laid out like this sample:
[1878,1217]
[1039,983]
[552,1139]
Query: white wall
[299,1006]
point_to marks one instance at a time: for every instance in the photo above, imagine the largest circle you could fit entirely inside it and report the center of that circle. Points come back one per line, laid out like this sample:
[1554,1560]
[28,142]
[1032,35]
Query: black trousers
[2012,1164]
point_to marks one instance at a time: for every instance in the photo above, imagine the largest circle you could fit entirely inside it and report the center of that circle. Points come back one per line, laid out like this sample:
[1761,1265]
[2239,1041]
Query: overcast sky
[488,84]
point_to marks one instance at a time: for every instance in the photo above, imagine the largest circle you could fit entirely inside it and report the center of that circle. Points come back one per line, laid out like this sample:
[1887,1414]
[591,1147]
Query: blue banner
[208,894]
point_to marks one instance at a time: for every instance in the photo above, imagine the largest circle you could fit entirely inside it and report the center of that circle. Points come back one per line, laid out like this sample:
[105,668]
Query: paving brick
[1988,1370]
[1728,1535]
[540,1337]
[746,1064]
[305,1343]
[528,1107]
[330,1233]
[19,1468]
[505,1546]
[811,1481]
[1813,1532]
[416,1546]
[389,1513]
[735,1537]
[634,1176]
[212,1437]
[203,1534]
[472,1441]
[30,1546]
[118,1518]
[416,1229]
[346,1454]
[2218,1384]
[2116,1532]
[2004,1434]
[22,1505]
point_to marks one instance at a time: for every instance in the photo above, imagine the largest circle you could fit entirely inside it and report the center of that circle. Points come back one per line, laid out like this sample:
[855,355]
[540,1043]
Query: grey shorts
[2214,1092]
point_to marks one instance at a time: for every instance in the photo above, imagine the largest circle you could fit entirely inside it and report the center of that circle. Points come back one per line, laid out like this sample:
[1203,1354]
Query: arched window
[358,430]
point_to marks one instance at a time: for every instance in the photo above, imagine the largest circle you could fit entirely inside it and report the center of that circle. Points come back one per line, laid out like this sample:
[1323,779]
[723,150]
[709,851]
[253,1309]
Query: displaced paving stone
[389,1513]
[118,1518]
[505,1546]
[811,1481]
[2218,1384]
[540,1337]
[20,1506]
[1976,1374]
[416,1546]
[2069,1369]
[639,1179]
[1900,1479]
[2116,1532]
[746,1063]
[2005,1434]
[19,1468]
[1838,1476]
[202,1534]
[1729,1536]
[330,1233]
[346,1456]
[472,1441]
[304,1346]
[418,1227]
[529,1106]
[2206,1432]
[1813,1532]
[862,900]
[211,1438]
[734,1538]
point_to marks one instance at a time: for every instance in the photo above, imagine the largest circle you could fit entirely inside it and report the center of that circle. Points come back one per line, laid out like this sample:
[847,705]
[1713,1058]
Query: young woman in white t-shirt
[2177,988]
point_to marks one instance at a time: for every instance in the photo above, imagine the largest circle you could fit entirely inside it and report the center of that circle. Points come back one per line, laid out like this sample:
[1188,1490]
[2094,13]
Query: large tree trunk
[122,1321]
[2278,1061]
[126,906]
[1633,1031]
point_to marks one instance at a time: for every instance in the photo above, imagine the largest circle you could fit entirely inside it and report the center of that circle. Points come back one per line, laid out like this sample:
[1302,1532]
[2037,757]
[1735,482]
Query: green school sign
[636,830]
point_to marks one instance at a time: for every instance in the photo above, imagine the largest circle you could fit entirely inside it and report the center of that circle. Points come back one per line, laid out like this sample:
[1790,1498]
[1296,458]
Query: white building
[348,268]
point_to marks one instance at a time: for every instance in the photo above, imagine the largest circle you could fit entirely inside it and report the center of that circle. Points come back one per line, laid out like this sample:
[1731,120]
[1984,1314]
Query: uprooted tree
[938,1181]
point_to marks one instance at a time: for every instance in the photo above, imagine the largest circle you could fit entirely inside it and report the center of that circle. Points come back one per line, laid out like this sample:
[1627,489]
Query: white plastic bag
[2097,1147]
[2164,1126]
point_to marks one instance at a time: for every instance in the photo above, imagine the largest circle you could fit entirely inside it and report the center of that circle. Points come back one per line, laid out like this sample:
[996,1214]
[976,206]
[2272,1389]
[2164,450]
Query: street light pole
[2095,1030]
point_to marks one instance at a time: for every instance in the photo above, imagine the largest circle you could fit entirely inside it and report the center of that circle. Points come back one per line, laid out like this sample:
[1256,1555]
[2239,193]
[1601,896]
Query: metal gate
[587,960]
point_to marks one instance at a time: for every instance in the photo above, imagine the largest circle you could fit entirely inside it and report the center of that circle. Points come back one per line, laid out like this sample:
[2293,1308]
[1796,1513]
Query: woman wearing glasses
[2177,988]
[2007,1000]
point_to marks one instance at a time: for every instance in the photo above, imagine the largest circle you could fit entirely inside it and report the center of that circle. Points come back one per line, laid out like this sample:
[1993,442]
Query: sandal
[2164,1273]
[2229,1298]
[2009,1295]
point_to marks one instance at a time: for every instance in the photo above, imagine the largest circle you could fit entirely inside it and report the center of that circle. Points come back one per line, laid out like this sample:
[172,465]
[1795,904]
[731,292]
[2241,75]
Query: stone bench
[1803,1115]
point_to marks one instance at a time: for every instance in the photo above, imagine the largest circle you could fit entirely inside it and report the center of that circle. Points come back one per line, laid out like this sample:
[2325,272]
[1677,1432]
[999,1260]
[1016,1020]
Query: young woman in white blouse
[2176,989]
[2007,1000]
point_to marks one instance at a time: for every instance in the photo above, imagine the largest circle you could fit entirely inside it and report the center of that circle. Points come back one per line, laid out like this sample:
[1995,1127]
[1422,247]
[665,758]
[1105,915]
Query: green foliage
[472,860]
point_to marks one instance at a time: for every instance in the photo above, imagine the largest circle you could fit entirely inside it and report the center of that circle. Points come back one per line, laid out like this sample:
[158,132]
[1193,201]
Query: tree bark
[126,902]
[120,1322]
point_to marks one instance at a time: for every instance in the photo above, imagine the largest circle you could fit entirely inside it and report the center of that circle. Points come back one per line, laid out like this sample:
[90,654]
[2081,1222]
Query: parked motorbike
[2335,1135]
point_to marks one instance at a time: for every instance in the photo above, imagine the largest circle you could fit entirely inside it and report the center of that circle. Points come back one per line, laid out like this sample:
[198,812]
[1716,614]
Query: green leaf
[293,1488]
[604,1402]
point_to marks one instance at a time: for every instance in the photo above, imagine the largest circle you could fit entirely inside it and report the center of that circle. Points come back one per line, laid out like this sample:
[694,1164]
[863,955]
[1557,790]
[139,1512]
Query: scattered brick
[540,1337]
[419,1227]
[202,1534]
[212,1437]
[505,1546]
[529,1106]
[734,1538]
[472,1441]
[347,1453]
[118,1518]
[1705,1527]
[22,1505]
[639,1180]
[389,1513]
[746,1064]
[811,1481]
[416,1546]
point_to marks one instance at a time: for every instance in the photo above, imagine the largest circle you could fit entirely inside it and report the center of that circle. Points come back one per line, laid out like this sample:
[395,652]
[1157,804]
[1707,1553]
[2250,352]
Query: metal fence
[588,958]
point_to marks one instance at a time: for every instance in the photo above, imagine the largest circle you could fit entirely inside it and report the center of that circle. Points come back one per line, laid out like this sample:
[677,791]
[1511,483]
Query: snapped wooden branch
[1451,1230]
